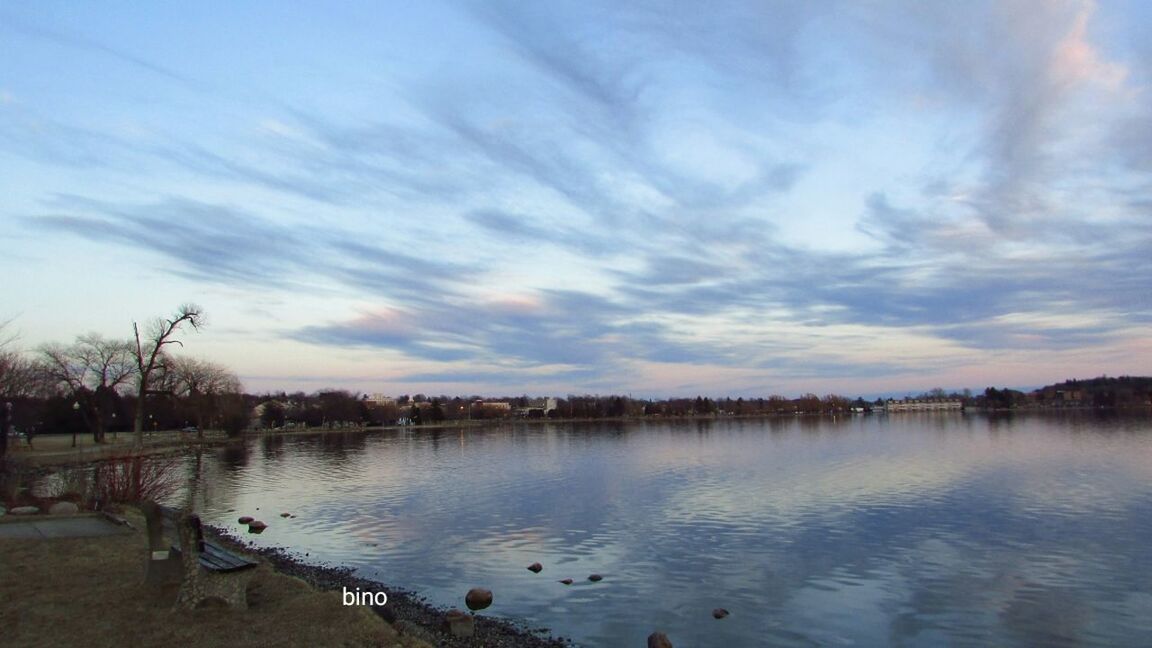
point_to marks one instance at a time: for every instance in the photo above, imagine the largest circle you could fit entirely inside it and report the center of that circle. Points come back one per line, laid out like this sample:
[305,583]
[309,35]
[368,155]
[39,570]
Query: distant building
[537,408]
[923,405]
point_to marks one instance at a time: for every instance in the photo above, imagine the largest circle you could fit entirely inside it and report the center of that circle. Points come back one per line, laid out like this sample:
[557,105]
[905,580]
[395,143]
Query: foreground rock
[63,508]
[659,640]
[478,598]
[256,526]
[460,624]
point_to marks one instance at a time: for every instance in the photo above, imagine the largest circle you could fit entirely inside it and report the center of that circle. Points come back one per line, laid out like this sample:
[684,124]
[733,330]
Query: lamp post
[113,426]
[75,408]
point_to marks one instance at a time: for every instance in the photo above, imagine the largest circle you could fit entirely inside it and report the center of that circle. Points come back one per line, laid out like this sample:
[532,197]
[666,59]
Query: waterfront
[916,529]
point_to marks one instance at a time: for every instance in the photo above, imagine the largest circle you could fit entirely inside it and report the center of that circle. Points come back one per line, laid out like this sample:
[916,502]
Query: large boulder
[478,598]
[246,519]
[256,526]
[63,508]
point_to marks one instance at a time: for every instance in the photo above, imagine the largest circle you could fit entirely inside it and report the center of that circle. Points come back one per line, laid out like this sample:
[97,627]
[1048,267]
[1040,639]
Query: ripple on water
[810,534]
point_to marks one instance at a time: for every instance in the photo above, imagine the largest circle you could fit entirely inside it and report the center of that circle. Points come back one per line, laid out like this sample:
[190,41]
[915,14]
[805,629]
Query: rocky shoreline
[408,612]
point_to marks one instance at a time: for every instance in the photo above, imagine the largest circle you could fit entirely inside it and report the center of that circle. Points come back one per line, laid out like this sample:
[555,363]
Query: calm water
[906,530]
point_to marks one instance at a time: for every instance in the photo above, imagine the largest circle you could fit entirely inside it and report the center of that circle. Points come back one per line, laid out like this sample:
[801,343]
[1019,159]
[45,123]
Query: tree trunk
[138,420]
[5,422]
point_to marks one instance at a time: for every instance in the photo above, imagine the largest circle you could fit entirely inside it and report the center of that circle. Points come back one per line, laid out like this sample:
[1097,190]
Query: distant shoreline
[172,442]
[474,423]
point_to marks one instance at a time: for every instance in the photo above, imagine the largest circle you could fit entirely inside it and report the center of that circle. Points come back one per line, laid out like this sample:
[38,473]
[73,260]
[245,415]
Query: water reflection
[234,455]
[921,529]
[272,445]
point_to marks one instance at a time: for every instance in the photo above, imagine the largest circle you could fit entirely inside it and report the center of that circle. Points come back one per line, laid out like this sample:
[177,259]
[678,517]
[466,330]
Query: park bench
[205,571]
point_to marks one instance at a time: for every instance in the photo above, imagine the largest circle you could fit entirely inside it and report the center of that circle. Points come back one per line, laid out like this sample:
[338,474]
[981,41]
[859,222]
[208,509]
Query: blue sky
[658,198]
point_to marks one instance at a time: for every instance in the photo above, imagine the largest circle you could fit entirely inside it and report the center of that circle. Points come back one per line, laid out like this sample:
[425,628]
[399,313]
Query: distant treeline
[1103,392]
[274,410]
[53,411]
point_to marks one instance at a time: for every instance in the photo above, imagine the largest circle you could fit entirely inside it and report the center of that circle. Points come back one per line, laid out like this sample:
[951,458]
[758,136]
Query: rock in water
[536,568]
[595,578]
[478,598]
[459,623]
[659,640]
[566,581]
[246,519]
[256,526]
[63,508]
[284,515]
[719,613]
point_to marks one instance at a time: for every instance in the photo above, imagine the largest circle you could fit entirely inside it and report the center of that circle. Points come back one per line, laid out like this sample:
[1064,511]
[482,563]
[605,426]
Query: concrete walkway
[45,527]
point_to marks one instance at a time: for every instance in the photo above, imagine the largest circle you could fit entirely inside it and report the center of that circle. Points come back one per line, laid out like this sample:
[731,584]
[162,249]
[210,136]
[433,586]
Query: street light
[75,408]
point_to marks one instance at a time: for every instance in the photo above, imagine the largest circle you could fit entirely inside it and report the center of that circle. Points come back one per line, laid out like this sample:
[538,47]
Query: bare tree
[89,370]
[19,377]
[201,383]
[15,374]
[149,354]
[9,369]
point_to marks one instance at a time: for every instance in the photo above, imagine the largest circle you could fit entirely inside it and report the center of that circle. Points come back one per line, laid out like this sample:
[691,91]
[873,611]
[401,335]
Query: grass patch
[89,591]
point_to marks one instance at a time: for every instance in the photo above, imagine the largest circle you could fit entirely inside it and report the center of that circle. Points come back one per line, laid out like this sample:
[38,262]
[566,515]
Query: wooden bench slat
[222,563]
[216,563]
[220,559]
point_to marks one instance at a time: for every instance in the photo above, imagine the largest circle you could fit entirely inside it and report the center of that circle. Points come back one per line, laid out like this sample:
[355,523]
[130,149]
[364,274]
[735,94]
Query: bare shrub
[134,478]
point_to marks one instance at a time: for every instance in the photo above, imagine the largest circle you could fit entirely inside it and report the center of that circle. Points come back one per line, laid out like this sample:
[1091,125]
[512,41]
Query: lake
[904,529]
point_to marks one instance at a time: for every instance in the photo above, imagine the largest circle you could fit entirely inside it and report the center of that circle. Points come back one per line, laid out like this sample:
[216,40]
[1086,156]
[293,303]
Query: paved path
[44,527]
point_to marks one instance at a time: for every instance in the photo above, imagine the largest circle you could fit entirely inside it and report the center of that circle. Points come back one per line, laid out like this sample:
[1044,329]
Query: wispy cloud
[594,191]
[229,245]
[21,25]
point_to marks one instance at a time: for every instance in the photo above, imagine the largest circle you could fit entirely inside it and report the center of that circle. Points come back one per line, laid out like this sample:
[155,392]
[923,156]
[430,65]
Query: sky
[653,198]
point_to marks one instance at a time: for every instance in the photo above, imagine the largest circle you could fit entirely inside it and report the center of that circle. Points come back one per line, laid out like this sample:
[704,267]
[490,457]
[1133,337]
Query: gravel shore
[408,612]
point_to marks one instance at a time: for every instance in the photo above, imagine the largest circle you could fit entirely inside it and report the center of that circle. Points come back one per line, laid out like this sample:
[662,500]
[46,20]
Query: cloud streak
[600,193]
